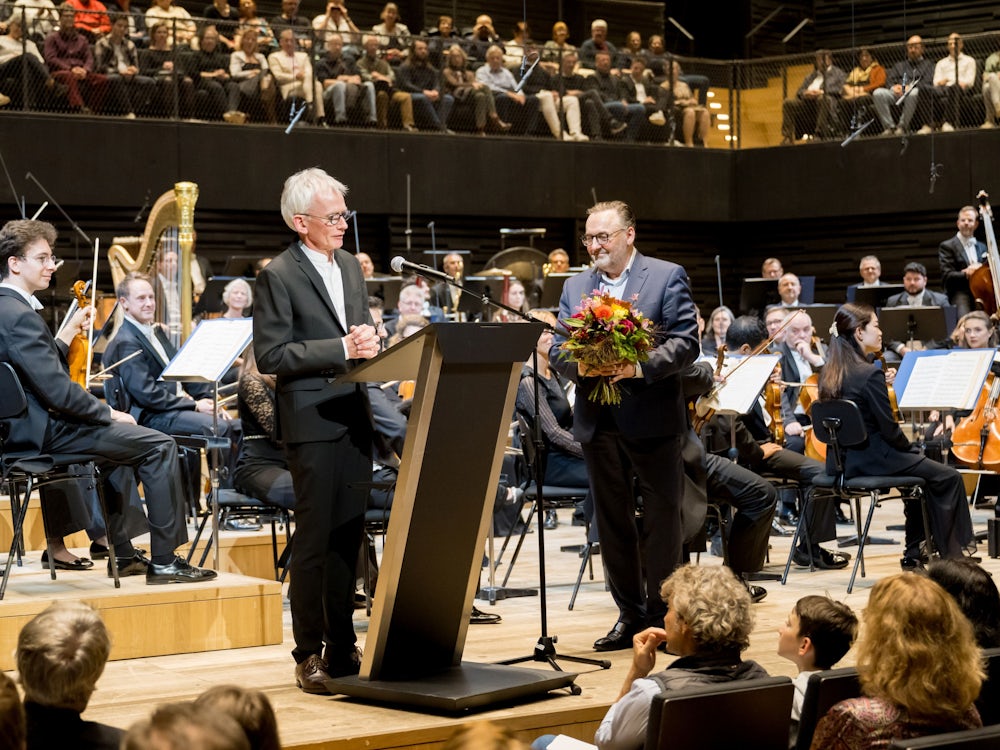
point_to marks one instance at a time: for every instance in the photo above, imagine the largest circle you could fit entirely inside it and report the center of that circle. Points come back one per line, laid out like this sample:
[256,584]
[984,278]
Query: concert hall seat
[823,691]
[984,738]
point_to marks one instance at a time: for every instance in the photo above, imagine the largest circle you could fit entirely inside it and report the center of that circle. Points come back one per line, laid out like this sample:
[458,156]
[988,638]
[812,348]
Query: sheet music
[745,384]
[210,350]
[938,380]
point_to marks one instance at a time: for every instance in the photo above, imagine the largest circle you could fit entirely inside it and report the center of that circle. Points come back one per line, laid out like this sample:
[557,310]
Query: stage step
[232,611]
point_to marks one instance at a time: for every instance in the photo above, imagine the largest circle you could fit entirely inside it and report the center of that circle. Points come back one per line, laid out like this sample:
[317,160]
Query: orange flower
[603,311]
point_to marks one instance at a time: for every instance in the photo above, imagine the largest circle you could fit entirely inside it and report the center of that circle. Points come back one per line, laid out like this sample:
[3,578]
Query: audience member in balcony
[954,81]
[615,98]
[68,55]
[41,17]
[440,40]
[991,90]
[16,54]
[91,18]
[696,121]
[556,48]
[254,87]
[815,108]
[866,76]
[657,58]
[633,48]
[597,121]
[516,107]
[513,48]
[289,18]
[598,42]
[539,83]
[393,36]
[422,81]
[209,68]
[157,62]
[345,95]
[481,38]
[116,57]
[655,100]
[913,634]
[251,23]
[381,75]
[461,83]
[61,654]
[337,19]
[914,77]
[182,29]
[226,20]
[293,73]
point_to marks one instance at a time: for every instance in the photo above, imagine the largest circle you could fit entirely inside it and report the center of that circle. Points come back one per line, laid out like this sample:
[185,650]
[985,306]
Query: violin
[79,356]
[976,438]
[772,405]
[891,391]
[701,418]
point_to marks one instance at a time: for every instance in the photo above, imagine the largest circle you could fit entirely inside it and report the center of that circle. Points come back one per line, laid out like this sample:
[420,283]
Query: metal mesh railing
[195,69]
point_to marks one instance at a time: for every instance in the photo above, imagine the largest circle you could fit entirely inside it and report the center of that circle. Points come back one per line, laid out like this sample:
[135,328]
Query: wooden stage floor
[130,688]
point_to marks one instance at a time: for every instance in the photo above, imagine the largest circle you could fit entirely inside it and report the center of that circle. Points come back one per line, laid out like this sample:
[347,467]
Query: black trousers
[821,516]
[617,466]
[329,522]
[753,499]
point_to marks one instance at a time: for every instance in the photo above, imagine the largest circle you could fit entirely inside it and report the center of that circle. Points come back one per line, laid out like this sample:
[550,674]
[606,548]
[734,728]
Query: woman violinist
[849,374]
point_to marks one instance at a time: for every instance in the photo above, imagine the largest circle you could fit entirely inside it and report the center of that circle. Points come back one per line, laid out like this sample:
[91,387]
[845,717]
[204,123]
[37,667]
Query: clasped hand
[363,342]
[615,370]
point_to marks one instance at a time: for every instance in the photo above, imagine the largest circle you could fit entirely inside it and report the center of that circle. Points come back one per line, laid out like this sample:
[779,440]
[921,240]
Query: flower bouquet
[606,330]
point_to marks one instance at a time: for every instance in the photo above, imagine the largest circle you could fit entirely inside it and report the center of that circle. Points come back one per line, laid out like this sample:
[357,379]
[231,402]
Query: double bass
[984,284]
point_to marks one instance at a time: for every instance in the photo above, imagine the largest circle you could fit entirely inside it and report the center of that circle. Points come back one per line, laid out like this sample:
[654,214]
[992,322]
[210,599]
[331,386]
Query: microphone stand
[545,647]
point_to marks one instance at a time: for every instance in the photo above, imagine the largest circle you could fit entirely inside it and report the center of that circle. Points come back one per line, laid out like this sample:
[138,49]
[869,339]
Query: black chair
[745,714]
[985,738]
[988,701]
[838,424]
[823,691]
[32,470]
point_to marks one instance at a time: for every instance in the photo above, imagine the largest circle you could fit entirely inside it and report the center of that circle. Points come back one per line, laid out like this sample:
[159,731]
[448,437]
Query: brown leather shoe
[311,675]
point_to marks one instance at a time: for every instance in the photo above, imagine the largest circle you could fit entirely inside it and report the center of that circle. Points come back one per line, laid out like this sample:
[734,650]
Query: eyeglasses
[602,239]
[333,219]
[41,259]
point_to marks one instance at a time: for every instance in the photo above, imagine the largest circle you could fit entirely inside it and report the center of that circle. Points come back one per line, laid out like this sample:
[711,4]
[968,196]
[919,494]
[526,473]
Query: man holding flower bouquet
[630,331]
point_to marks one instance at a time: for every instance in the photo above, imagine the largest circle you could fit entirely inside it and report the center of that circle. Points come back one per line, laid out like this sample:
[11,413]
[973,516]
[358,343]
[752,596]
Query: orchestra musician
[798,362]
[64,418]
[849,374]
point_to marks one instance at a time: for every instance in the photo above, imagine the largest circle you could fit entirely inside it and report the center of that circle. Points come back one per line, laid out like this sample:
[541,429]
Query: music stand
[491,286]
[386,288]
[917,323]
[877,296]
[242,264]
[756,295]
[807,291]
[552,290]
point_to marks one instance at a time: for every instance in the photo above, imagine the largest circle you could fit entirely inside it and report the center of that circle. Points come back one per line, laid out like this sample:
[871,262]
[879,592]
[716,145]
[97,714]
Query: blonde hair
[713,604]
[918,650]
[484,735]
[234,283]
[61,654]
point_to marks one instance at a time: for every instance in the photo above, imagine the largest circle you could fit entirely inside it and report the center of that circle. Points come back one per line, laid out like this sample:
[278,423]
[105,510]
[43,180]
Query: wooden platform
[130,687]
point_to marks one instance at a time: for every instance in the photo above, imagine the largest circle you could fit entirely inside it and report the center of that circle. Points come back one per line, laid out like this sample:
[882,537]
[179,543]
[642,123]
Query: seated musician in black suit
[157,404]
[916,295]
[64,418]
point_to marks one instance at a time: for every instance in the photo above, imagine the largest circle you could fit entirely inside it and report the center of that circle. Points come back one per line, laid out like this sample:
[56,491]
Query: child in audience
[816,635]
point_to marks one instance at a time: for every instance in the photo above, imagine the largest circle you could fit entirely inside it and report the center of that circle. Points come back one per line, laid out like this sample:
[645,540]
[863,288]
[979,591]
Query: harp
[164,252]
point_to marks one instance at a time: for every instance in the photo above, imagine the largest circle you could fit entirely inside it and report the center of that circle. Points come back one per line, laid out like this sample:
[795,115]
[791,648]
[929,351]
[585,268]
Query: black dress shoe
[177,571]
[824,559]
[910,564]
[98,551]
[478,617]
[344,666]
[551,520]
[80,563]
[137,564]
[311,676]
[618,638]
[242,524]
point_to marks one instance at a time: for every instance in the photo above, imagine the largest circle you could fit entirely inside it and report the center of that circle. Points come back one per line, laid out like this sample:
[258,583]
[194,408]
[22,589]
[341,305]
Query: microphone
[398,265]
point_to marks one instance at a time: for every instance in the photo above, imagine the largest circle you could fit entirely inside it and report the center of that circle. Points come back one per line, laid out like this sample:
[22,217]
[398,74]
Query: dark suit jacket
[928,299]
[951,257]
[652,406]
[139,375]
[298,338]
[27,344]
[887,451]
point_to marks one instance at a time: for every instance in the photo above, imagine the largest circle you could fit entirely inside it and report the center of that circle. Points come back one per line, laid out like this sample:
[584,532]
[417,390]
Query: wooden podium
[466,380]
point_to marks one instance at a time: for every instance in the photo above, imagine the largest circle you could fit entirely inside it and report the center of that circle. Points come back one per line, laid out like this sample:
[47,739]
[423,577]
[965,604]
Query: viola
[893,402]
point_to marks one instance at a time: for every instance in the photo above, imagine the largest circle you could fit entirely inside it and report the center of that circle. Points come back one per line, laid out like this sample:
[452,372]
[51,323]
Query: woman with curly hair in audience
[919,666]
